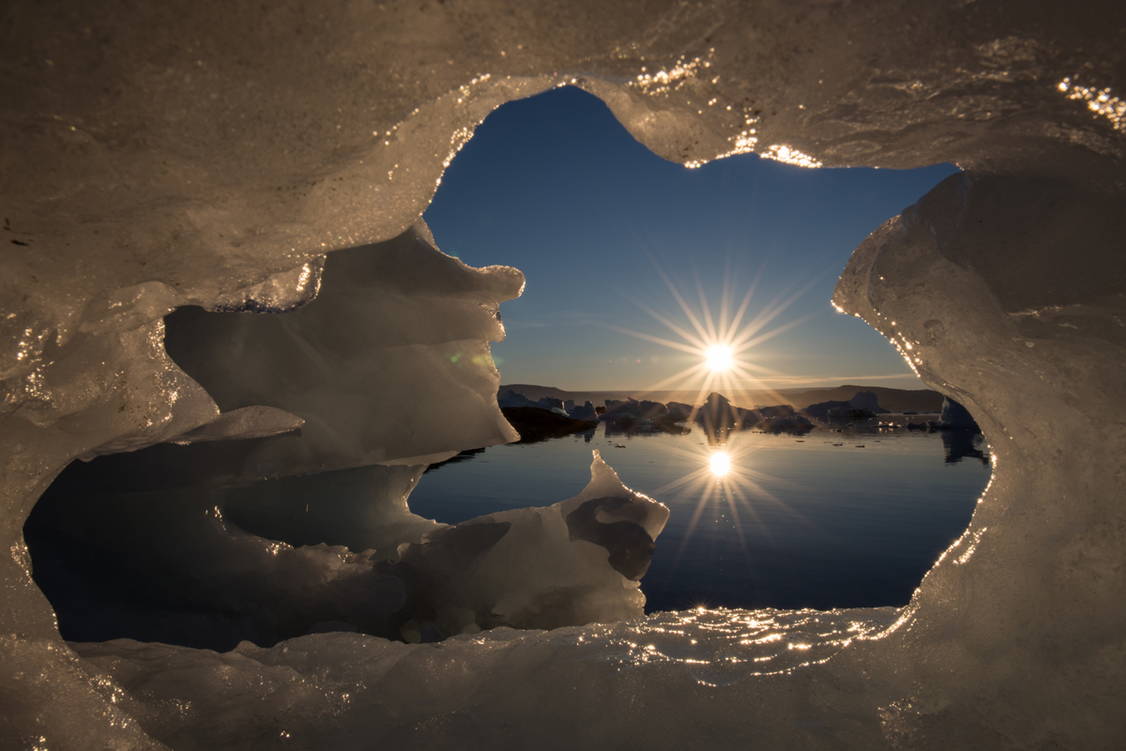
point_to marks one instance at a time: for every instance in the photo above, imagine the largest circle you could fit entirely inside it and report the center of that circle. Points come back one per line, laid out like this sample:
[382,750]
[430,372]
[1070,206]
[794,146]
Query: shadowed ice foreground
[205,154]
[181,543]
[211,566]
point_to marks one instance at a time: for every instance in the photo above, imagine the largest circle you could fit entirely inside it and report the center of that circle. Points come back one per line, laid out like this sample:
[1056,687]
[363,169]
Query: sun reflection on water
[723,476]
[725,473]
[719,463]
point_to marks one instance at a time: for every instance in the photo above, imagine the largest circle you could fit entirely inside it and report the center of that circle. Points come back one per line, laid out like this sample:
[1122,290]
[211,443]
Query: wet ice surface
[722,646]
[350,690]
[185,154]
[796,522]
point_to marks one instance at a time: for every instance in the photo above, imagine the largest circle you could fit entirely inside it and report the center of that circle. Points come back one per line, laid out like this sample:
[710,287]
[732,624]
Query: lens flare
[721,336]
[719,463]
[719,358]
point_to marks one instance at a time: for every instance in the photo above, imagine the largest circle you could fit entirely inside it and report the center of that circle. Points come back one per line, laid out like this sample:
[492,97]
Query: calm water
[794,523]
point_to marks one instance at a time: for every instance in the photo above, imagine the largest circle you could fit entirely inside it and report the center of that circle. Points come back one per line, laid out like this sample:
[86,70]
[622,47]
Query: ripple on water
[722,646]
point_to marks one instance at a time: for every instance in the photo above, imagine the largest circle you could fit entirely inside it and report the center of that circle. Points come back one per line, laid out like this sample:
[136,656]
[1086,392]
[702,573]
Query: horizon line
[917,385]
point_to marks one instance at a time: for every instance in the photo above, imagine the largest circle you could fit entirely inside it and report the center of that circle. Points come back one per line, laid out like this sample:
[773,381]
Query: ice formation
[388,319]
[210,154]
[147,564]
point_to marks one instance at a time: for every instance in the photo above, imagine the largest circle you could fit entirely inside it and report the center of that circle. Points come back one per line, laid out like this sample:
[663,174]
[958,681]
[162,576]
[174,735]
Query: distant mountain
[896,400]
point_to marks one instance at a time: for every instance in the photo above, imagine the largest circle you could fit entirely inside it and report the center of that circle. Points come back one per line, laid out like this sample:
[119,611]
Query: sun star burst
[722,341]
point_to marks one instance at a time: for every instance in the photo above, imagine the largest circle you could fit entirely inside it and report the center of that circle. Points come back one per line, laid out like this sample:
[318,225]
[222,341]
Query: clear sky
[556,187]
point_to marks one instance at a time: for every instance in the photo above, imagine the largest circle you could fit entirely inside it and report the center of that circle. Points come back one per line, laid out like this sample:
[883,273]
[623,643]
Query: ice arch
[201,153]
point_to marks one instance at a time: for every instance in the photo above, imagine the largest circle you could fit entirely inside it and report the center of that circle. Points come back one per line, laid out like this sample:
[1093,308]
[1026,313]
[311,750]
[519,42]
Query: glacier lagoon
[813,521]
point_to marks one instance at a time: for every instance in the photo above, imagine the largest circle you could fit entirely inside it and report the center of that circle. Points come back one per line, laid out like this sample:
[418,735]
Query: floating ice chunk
[334,551]
[577,561]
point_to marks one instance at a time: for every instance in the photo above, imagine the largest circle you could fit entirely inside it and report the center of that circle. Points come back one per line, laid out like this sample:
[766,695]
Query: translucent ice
[575,562]
[177,153]
[207,567]
[389,319]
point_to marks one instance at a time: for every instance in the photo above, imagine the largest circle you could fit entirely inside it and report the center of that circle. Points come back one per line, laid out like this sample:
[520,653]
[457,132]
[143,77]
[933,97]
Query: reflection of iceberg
[959,444]
[585,411]
[956,417]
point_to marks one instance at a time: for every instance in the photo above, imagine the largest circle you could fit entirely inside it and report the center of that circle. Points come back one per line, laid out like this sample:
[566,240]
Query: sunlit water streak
[725,476]
[719,646]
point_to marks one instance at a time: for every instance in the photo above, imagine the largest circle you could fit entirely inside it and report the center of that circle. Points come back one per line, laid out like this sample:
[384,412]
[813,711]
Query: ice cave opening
[634,265]
[183,154]
[190,545]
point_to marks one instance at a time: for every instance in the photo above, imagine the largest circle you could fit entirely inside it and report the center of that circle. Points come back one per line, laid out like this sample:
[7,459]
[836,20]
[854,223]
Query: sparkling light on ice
[212,154]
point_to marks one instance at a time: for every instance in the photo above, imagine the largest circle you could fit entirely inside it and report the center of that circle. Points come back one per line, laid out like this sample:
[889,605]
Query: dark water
[795,522]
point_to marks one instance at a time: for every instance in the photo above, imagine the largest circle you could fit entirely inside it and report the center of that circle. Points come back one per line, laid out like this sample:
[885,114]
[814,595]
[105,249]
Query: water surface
[797,522]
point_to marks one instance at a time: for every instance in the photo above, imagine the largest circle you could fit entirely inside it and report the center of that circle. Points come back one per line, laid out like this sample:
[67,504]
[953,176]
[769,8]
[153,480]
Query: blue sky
[556,187]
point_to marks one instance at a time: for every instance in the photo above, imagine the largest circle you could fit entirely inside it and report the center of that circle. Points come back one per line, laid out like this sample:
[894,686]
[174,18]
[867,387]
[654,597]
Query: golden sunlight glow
[719,463]
[1099,101]
[787,155]
[722,476]
[719,358]
[716,338]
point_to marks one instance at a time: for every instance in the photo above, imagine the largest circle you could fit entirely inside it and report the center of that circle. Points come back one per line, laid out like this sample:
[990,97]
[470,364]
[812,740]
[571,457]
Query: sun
[723,344]
[719,358]
[719,463]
